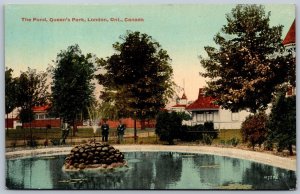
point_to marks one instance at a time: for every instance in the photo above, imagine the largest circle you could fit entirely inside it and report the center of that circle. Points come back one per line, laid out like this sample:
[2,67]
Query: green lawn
[146,136]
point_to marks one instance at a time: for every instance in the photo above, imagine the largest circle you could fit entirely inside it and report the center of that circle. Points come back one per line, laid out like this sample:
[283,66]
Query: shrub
[209,128]
[207,139]
[55,142]
[282,123]
[196,132]
[32,143]
[233,141]
[254,129]
[190,133]
[168,126]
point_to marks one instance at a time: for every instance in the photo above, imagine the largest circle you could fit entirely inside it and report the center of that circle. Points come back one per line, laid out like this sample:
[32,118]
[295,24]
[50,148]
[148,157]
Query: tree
[137,81]
[248,63]
[10,94]
[32,90]
[282,122]
[254,129]
[168,126]
[72,90]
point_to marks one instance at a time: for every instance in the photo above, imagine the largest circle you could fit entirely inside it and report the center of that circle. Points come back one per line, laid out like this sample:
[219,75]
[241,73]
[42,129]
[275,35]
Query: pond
[151,170]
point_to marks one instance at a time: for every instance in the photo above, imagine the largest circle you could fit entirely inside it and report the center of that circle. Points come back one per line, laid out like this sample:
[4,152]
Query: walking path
[282,162]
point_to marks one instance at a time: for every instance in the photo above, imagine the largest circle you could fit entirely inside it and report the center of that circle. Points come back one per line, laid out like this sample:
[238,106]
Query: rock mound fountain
[93,156]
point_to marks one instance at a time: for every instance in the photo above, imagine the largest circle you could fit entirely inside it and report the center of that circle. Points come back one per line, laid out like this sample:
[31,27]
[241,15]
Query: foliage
[72,90]
[282,122]
[233,141]
[248,63]
[167,126]
[197,132]
[209,129]
[254,129]
[137,79]
[10,91]
[32,143]
[207,139]
[32,90]
[184,116]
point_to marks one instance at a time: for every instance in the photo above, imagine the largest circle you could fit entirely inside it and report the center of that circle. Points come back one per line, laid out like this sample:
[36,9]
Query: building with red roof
[181,104]
[205,109]
[289,43]
[290,38]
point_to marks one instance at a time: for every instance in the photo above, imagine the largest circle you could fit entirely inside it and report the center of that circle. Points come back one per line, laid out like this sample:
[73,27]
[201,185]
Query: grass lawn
[146,136]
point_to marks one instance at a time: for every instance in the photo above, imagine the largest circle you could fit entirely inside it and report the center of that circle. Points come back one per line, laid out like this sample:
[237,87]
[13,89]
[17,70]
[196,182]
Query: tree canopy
[32,90]
[10,91]
[248,62]
[72,89]
[282,122]
[137,78]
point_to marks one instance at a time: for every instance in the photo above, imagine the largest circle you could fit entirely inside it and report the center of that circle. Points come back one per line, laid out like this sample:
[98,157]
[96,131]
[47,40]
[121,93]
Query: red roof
[203,102]
[291,35]
[184,96]
[40,108]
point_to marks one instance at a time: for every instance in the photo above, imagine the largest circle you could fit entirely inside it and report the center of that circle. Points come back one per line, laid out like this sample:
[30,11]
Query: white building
[204,110]
[180,105]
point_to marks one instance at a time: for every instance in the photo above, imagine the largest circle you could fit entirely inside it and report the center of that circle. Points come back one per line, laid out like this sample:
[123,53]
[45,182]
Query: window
[200,117]
[39,116]
[209,116]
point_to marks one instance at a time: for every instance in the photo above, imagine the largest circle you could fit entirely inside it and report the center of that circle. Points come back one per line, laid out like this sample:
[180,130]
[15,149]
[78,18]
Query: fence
[53,136]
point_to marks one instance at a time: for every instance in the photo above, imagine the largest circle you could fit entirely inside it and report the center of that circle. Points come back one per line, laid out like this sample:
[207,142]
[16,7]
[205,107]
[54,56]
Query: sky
[182,30]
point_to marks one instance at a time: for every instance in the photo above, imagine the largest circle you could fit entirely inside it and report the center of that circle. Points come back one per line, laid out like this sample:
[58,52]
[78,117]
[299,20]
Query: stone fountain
[94,156]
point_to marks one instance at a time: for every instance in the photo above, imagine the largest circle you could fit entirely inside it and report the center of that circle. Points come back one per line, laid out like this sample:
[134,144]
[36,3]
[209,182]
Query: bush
[254,129]
[168,126]
[233,141]
[207,139]
[190,133]
[32,143]
[55,142]
[209,128]
[282,123]
[196,132]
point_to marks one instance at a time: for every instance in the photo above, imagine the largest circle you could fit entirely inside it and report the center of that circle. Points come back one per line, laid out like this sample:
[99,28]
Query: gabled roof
[291,35]
[203,102]
[40,108]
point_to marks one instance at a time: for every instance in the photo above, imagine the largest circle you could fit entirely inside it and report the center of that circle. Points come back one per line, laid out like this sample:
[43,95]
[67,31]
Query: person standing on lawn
[105,130]
[121,130]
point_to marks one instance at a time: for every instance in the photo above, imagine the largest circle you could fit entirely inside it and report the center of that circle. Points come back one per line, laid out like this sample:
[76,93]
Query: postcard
[150,97]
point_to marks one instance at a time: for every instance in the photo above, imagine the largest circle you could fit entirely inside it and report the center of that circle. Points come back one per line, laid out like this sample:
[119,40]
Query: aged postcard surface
[150,97]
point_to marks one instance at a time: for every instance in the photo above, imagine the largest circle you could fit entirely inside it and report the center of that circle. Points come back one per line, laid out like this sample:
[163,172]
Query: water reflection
[150,170]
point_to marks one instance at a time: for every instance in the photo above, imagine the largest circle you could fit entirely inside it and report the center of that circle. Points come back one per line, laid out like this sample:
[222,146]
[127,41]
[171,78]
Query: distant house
[42,118]
[289,43]
[180,105]
[204,109]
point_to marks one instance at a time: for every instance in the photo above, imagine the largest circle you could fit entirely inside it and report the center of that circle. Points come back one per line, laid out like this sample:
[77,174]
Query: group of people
[105,131]
[104,128]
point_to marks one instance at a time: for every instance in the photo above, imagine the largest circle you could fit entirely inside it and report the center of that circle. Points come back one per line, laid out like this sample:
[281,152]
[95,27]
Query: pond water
[151,170]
